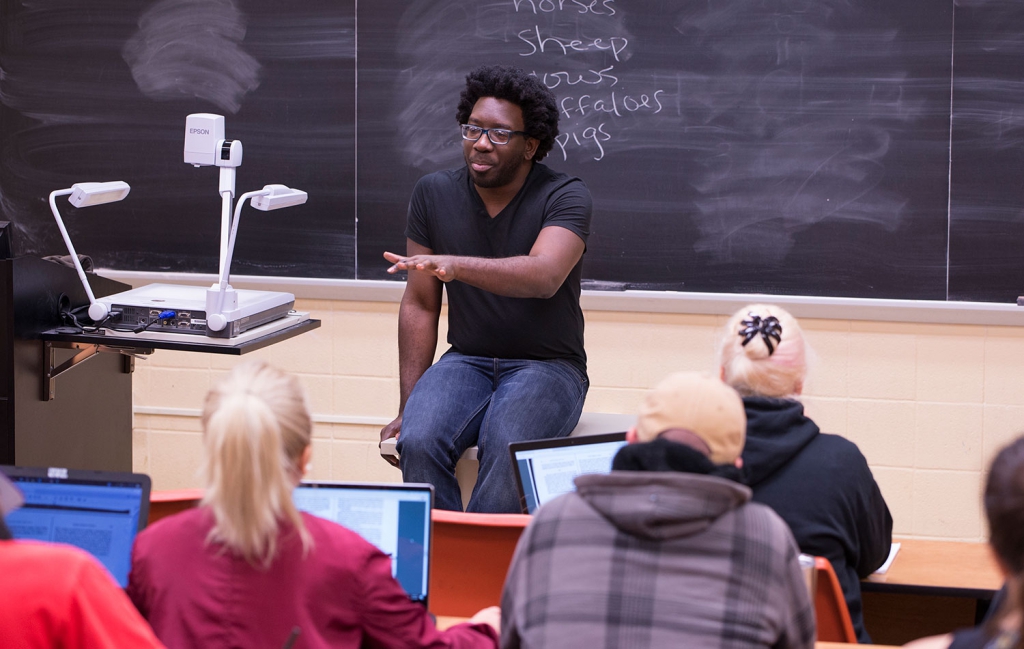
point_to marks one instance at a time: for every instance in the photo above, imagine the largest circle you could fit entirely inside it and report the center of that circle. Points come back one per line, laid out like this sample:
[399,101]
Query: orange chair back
[470,559]
[834,624]
[165,503]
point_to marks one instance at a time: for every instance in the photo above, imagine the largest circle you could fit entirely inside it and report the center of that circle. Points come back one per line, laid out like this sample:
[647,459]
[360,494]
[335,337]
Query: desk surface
[444,621]
[950,568]
[185,342]
[843,645]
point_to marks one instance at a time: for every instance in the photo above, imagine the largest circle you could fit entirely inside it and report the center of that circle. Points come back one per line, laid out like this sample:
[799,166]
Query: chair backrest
[470,559]
[165,503]
[834,624]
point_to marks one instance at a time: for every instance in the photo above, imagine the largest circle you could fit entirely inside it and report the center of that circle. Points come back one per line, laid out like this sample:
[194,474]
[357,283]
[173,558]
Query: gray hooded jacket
[656,559]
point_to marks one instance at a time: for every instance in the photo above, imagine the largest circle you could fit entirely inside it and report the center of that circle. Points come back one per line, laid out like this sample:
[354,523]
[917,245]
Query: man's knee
[414,442]
[427,444]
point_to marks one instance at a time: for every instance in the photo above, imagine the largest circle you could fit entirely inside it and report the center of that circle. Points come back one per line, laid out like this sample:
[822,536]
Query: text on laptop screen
[545,473]
[101,519]
[396,520]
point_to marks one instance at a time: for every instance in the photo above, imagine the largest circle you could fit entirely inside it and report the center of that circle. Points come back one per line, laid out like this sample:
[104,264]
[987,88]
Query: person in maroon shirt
[247,569]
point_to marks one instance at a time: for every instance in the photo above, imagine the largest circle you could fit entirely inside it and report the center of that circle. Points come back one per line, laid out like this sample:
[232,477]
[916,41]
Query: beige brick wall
[927,404]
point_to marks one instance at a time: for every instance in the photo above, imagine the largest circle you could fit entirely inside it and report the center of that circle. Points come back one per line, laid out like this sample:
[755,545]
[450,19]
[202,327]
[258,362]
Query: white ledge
[196,413]
[831,308]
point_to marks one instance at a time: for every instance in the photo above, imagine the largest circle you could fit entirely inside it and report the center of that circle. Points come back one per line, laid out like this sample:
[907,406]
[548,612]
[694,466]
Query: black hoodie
[822,487]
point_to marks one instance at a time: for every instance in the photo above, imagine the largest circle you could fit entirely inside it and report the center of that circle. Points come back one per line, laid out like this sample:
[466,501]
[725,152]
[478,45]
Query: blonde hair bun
[763,352]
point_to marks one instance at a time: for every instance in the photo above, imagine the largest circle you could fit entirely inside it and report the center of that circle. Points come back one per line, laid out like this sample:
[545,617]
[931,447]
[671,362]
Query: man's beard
[497,176]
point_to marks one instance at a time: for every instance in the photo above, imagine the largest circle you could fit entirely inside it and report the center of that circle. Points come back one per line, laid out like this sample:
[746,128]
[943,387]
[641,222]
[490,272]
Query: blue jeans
[490,402]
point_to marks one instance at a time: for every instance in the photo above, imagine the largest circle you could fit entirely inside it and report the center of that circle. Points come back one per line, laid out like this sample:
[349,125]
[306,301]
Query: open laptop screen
[546,468]
[393,517]
[97,511]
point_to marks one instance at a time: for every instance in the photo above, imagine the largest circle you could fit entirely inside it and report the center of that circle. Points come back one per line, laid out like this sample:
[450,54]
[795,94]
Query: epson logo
[199,131]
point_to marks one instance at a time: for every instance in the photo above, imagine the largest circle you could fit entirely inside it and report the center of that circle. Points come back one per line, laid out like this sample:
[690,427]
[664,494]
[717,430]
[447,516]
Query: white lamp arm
[226,271]
[93,304]
[215,319]
[225,224]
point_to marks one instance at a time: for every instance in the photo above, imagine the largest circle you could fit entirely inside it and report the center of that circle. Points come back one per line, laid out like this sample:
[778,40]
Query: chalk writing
[616,105]
[540,44]
[591,99]
[596,7]
[553,80]
[590,135]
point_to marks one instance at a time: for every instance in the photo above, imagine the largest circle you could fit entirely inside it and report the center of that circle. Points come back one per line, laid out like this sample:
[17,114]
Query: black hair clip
[769,328]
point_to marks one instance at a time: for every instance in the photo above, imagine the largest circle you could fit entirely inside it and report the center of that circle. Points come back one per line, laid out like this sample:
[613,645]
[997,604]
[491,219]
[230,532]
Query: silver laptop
[97,511]
[393,517]
[546,468]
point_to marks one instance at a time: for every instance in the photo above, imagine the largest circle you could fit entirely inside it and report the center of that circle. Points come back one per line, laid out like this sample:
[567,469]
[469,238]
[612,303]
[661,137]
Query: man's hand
[440,266]
[394,429]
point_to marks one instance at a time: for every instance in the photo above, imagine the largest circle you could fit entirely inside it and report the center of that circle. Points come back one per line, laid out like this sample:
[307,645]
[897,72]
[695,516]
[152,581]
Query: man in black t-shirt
[506,235]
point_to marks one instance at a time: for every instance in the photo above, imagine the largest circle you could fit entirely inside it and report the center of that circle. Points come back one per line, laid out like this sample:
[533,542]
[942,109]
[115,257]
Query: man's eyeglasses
[495,135]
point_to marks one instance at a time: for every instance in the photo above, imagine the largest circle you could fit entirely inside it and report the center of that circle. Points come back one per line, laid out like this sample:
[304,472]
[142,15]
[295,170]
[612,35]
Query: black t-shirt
[447,215]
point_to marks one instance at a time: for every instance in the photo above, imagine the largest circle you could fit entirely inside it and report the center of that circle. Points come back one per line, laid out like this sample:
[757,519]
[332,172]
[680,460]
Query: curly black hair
[540,112]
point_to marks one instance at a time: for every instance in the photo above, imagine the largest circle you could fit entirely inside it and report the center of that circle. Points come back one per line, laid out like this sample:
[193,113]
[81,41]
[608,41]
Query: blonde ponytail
[256,428]
[773,362]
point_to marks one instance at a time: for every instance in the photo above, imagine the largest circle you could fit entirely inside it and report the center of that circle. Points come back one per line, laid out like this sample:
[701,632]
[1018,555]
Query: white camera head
[204,135]
[229,153]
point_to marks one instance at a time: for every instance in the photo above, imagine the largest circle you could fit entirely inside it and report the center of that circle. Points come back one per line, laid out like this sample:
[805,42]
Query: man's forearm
[417,341]
[536,275]
[522,276]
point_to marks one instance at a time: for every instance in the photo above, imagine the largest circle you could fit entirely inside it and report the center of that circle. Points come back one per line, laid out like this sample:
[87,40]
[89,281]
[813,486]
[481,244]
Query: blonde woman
[247,569]
[819,484]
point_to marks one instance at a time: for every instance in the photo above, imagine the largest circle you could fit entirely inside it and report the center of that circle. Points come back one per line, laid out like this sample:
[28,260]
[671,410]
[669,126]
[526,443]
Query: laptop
[393,517]
[546,468]
[97,511]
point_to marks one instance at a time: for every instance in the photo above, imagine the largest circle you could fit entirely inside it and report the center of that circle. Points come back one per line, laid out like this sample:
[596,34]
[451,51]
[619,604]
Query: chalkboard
[796,147]
[987,174]
[99,90]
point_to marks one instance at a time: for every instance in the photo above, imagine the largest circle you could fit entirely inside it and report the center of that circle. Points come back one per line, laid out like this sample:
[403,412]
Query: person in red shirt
[247,569]
[54,595]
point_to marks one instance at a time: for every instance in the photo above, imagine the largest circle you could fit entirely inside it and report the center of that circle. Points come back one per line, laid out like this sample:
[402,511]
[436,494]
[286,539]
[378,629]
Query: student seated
[54,595]
[247,569]
[819,484]
[666,550]
[1004,508]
